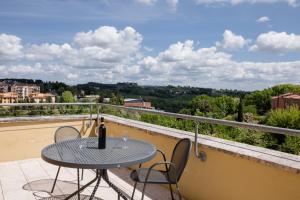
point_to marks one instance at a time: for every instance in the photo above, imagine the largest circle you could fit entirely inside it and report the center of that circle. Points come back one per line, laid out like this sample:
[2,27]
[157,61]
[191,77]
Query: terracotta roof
[294,96]
[9,95]
[287,96]
[41,95]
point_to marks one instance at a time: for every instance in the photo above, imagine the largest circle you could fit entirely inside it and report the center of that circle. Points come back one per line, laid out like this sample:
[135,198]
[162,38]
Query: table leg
[98,176]
[95,188]
[115,188]
[78,184]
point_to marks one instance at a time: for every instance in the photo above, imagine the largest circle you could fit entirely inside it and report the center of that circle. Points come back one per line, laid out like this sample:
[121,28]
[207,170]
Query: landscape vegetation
[244,106]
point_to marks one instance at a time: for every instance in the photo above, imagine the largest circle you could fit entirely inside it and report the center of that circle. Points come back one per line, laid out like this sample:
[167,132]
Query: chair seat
[155,176]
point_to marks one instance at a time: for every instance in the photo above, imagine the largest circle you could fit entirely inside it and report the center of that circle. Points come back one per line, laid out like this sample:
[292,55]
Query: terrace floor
[32,180]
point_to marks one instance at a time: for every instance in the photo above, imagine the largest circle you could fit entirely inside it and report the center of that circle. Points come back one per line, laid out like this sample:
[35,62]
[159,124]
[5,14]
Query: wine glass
[97,131]
[82,144]
[125,138]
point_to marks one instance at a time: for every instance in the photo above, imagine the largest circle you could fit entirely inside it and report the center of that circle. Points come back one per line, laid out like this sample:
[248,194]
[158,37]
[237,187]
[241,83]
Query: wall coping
[44,118]
[262,155]
[265,156]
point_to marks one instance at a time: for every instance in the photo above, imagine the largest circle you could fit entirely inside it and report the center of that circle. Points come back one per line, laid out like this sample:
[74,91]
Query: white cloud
[10,47]
[107,44]
[148,49]
[147,2]
[183,64]
[72,76]
[173,4]
[110,55]
[263,19]
[277,42]
[48,51]
[292,3]
[232,41]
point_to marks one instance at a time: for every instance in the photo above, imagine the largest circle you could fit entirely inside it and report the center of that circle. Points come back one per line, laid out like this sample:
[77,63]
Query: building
[285,100]
[106,100]
[89,98]
[8,97]
[3,87]
[42,97]
[12,92]
[24,90]
[137,103]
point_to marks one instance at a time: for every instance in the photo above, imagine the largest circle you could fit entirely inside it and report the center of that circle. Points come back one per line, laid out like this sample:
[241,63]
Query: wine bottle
[102,135]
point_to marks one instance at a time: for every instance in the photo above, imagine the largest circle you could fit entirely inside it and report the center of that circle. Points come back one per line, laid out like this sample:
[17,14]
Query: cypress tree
[240,117]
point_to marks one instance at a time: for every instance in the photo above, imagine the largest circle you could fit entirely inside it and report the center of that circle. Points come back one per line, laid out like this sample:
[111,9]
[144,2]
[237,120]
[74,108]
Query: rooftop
[32,179]
[231,170]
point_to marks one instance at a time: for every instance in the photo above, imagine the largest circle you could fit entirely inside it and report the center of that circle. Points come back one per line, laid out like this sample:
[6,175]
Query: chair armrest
[163,155]
[166,163]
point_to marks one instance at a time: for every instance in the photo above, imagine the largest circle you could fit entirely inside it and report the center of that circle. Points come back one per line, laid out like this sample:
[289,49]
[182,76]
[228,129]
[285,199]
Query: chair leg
[171,191]
[133,190]
[82,174]
[144,188]
[78,183]
[55,179]
[178,192]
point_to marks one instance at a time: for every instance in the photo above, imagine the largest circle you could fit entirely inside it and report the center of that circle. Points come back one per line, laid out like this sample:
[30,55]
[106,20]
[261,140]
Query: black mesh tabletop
[83,153]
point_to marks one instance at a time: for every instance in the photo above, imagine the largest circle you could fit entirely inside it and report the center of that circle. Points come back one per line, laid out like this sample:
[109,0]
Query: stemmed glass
[125,138]
[82,144]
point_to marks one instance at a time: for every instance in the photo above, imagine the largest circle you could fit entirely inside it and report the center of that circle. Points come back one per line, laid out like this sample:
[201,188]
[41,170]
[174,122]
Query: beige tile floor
[32,180]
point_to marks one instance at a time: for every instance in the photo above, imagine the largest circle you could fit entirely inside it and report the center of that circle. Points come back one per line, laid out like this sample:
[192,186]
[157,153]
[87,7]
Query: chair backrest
[66,133]
[180,157]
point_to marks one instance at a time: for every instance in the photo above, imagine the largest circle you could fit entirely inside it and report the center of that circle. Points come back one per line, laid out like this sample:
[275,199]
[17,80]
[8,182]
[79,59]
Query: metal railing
[196,119]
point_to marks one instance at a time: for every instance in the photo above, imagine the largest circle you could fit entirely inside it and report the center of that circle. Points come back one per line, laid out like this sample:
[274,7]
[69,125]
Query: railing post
[201,155]
[91,114]
[98,112]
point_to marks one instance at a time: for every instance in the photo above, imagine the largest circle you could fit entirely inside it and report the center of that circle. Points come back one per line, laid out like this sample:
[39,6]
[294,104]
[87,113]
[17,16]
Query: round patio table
[84,154]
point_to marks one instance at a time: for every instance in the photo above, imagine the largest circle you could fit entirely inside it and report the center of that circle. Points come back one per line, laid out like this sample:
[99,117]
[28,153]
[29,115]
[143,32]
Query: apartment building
[137,103]
[24,90]
[4,87]
[14,92]
[285,100]
[42,97]
[8,97]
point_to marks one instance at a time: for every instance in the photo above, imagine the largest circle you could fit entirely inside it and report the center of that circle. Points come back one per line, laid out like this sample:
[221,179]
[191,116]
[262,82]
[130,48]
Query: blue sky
[238,44]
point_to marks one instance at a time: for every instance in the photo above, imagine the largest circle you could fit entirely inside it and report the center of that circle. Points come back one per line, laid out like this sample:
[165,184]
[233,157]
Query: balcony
[231,170]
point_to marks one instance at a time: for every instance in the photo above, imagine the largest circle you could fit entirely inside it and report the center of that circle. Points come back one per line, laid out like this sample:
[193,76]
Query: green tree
[240,117]
[67,97]
[261,100]
[285,118]
[202,103]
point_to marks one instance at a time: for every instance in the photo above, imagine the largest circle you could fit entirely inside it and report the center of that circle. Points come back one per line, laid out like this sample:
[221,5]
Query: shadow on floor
[42,189]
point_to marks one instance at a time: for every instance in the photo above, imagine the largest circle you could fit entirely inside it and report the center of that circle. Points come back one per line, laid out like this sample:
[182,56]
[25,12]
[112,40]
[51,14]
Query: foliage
[240,117]
[67,97]
[261,100]
[217,107]
[221,104]
[285,118]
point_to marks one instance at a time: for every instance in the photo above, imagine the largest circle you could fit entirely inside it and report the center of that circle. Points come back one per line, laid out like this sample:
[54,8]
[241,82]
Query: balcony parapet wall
[232,171]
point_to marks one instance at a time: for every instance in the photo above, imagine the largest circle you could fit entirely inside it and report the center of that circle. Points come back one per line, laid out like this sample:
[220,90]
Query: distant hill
[169,98]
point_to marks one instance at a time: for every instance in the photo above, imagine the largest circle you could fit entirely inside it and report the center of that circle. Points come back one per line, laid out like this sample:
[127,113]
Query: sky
[232,44]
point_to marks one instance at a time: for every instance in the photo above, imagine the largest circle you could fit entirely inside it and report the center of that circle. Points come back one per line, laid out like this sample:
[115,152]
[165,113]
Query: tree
[285,118]
[202,104]
[240,117]
[67,97]
[261,100]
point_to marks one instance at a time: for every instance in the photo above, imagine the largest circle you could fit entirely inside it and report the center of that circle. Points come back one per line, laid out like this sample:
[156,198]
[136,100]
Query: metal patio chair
[173,169]
[64,133]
